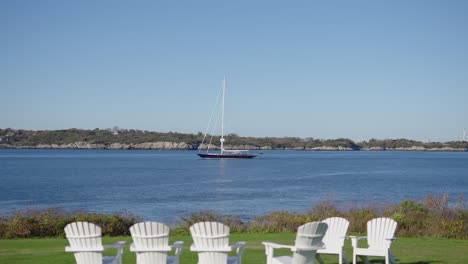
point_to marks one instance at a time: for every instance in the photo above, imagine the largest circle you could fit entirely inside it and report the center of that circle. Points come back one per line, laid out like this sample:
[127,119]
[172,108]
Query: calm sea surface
[164,185]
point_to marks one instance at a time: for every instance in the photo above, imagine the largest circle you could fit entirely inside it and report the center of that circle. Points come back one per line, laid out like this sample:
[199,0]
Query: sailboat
[223,153]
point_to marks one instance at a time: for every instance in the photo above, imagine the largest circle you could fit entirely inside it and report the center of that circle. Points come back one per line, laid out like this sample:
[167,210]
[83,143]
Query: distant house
[6,138]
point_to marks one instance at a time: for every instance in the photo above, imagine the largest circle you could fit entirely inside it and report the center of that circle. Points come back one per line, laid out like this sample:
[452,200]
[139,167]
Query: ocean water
[165,185]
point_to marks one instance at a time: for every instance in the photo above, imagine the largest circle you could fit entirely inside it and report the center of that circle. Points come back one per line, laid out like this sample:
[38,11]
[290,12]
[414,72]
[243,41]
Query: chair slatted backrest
[336,232]
[85,236]
[308,235]
[150,236]
[379,230]
[211,235]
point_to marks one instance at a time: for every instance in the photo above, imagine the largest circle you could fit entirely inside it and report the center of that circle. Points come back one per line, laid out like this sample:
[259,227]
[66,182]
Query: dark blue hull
[226,156]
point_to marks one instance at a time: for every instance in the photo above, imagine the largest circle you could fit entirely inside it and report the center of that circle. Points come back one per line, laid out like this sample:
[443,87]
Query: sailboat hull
[226,156]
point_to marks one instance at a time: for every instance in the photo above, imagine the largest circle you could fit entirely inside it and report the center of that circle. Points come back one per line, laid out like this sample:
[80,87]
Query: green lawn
[406,250]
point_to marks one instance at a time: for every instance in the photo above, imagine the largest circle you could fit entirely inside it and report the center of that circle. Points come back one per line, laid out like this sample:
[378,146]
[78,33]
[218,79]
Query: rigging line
[214,127]
[209,121]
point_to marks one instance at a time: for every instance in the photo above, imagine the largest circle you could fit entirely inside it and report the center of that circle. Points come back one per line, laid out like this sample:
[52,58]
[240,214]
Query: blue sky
[322,69]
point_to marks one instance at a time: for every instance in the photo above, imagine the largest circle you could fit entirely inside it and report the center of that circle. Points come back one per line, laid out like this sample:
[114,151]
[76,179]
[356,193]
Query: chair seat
[108,260]
[371,252]
[282,260]
[330,250]
[171,259]
[232,260]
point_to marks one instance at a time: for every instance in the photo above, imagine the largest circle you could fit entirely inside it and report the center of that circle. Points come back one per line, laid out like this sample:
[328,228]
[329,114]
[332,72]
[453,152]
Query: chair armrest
[302,249]
[270,246]
[71,249]
[177,244]
[239,246]
[119,244]
[164,249]
[178,247]
[354,240]
[120,248]
[270,249]
[275,245]
[227,249]
[357,237]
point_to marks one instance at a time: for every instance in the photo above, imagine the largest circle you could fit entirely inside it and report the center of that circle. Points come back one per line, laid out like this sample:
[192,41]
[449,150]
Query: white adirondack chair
[211,242]
[380,233]
[308,241]
[86,245]
[334,239]
[151,243]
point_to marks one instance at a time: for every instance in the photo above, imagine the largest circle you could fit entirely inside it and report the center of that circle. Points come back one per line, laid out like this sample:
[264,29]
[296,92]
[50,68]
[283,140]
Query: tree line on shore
[18,138]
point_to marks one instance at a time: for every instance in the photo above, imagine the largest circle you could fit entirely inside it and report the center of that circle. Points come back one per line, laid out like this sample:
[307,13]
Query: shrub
[358,218]
[443,221]
[15,226]
[112,225]
[51,222]
[44,223]
[234,222]
[410,216]
[432,217]
[282,221]
[322,210]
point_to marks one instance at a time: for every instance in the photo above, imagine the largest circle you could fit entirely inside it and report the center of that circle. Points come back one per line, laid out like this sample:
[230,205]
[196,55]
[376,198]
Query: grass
[406,250]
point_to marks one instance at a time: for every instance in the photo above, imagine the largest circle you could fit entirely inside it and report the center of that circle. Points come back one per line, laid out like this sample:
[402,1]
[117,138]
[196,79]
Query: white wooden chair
[211,242]
[380,233]
[86,245]
[151,244]
[334,239]
[308,241]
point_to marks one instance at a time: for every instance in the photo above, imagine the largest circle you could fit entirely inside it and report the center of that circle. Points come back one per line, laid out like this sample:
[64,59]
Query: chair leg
[392,258]
[365,259]
[340,258]
[354,258]
[318,258]
[269,254]
[345,258]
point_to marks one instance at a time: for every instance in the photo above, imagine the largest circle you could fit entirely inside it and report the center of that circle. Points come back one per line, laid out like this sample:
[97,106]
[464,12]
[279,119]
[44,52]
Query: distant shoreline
[184,146]
[137,139]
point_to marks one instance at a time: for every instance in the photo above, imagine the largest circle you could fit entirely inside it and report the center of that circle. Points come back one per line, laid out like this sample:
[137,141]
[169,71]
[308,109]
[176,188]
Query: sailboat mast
[222,116]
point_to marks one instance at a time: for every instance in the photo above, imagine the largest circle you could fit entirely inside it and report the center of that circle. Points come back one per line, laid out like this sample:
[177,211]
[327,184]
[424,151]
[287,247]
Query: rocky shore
[185,146]
[86,145]
[414,148]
